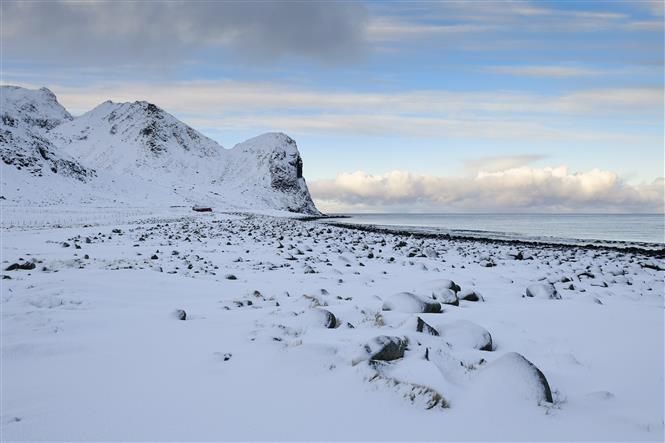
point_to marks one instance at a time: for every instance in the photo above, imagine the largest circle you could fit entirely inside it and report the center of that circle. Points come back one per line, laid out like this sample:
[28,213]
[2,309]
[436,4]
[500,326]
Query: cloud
[500,162]
[269,106]
[220,97]
[520,189]
[145,32]
[545,71]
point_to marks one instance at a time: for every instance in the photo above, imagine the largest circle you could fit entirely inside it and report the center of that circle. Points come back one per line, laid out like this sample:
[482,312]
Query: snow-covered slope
[144,156]
[31,163]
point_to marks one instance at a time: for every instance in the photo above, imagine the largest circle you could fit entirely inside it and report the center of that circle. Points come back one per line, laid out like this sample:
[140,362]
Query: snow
[137,155]
[91,348]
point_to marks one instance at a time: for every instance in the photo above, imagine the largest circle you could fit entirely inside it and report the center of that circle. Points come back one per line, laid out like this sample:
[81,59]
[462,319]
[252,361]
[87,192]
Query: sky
[476,106]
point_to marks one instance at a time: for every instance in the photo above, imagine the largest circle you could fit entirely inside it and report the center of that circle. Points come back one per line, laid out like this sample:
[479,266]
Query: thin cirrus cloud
[522,189]
[546,71]
[232,105]
[221,97]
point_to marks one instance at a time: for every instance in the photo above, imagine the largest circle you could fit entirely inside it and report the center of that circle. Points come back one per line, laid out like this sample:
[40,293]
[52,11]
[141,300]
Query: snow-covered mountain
[138,154]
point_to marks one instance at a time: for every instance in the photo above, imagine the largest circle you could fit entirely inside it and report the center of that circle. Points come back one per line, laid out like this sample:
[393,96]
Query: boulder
[449,284]
[422,326]
[386,348]
[470,295]
[180,314]
[445,296]
[411,303]
[542,290]
[466,334]
[27,266]
[321,317]
[513,377]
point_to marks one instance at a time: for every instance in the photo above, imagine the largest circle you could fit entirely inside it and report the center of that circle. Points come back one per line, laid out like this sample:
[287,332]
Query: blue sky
[395,106]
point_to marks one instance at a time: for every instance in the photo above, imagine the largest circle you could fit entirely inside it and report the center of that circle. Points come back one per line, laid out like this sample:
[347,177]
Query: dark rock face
[180,314]
[285,172]
[385,348]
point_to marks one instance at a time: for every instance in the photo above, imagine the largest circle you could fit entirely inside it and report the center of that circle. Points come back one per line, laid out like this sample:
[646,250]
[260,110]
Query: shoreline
[630,247]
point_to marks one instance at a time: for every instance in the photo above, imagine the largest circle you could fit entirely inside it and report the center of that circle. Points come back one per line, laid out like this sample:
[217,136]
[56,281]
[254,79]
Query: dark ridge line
[656,253]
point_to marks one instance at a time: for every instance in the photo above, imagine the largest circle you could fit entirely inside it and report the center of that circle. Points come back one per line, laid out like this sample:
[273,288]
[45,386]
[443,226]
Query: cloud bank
[149,32]
[521,189]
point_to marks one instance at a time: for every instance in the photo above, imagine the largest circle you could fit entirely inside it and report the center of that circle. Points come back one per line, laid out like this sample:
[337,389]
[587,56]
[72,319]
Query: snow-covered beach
[299,330]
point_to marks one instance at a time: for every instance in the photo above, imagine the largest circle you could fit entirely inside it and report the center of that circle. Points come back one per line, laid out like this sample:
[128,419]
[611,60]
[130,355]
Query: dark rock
[27,266]
[470,295]
[154,257]
[231,277]
[422,326]
[180,314]
[386,348]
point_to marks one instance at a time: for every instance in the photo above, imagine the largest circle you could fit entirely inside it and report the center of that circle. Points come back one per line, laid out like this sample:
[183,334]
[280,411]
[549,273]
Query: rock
[449,284]
[154,257]
[541,290]
[321,317]
[27,266]
[466,334]
[445,296]
[386,348]
[422,326]
[514,377]
[411,303]
[470,295]
[180,314]
[231,277]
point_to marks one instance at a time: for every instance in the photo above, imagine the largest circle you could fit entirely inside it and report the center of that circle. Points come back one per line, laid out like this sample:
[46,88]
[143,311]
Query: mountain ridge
[136,153]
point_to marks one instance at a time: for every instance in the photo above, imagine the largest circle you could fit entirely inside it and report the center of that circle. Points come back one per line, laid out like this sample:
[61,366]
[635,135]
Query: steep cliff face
[137,153]
[274,157]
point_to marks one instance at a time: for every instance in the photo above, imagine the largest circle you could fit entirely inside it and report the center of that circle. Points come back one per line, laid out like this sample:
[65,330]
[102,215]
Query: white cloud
[518,189]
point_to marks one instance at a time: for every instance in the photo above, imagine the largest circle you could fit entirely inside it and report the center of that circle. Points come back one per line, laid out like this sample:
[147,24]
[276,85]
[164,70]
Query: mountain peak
[137,153]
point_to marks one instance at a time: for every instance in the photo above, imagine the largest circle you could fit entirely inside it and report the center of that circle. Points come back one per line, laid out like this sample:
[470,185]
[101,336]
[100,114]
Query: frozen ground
[92,347]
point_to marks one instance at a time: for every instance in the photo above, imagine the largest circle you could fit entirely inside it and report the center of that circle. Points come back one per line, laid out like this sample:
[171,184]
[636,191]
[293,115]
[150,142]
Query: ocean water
[629,228]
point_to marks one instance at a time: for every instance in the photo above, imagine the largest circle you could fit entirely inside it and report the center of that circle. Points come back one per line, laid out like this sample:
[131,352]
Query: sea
[648,229]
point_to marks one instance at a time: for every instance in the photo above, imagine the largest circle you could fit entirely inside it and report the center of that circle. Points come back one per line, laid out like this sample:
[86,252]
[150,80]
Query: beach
[173,326]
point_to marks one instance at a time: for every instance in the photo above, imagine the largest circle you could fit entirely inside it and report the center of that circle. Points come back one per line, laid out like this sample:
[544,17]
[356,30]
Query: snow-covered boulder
[542,290]
[318,317]
[513,378]
[411,303]
[470,295]
[465,334]
[385,348]
[445,296]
